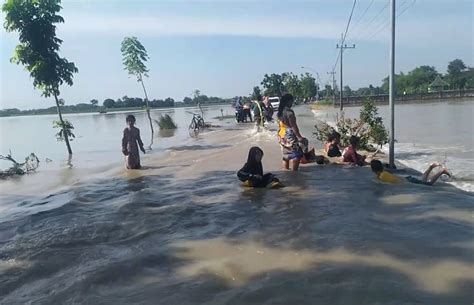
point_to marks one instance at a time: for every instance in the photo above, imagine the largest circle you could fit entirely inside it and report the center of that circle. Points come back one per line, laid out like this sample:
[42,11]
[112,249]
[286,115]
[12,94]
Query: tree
[196,94]
[256,93]
[35,21]
[109,103]
[273,84]
[187,100]
[134,57]
[309,87]
[456,67]
[94,102]
[457,75]
[347,91]
[293,85]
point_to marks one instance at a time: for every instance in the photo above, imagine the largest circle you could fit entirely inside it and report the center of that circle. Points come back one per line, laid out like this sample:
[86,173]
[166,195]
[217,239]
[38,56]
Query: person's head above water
[255,155]
[376,166]
[285,101]
[130,120]
[354,141]
[334,137]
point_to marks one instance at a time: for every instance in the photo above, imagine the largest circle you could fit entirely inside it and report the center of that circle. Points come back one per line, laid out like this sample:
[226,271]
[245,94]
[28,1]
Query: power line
[373,19]
[363,14]
[388,22]
[349,22]
[345,34]
[385,23]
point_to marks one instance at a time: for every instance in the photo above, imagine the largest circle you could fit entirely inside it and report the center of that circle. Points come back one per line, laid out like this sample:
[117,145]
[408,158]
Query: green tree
[293,85]
[347,91]
[187,100]
[134,57]
[94,102]
[35,21]
[109,103]
[456,74]
[256,93]
[309,87]
[273,84]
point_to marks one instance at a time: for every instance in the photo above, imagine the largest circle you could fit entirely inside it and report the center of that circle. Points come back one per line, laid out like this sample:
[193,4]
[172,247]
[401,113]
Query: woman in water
[289,134]
[252,172]
[130,142]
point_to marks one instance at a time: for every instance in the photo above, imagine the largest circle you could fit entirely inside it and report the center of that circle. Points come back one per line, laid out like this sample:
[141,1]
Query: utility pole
[342,47]
[392,88]
[333,74]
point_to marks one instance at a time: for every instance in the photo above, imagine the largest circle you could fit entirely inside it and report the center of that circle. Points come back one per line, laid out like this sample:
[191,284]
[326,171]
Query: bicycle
[197,124]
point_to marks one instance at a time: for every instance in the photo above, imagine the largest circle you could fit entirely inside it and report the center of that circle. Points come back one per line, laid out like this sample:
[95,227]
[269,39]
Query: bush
[369,128]
[166,122]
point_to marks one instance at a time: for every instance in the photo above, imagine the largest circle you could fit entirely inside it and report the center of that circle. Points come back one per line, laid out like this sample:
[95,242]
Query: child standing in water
[130,142]
[252,172]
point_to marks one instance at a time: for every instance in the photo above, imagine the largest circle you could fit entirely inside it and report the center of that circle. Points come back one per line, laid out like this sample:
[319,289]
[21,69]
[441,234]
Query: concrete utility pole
[392,88]
[342,47]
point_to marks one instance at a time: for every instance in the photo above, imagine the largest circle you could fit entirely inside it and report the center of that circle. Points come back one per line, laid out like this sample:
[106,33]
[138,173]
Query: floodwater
[183,230]
[431,132]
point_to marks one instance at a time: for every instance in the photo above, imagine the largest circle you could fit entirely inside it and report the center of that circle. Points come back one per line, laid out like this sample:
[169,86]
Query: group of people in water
[295,151]
[262,110]
[294,148]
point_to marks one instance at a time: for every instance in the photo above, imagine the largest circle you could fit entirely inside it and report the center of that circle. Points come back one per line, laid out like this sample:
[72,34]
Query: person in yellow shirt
[382,175]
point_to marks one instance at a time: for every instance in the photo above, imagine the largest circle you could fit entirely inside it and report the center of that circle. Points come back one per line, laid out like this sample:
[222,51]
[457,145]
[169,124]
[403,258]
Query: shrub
[368,127]
[166,122]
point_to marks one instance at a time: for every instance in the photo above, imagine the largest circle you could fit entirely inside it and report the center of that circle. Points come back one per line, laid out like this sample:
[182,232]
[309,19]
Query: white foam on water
[457,159]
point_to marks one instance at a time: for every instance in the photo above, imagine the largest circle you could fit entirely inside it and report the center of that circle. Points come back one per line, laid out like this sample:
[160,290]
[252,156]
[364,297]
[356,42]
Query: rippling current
[183,231]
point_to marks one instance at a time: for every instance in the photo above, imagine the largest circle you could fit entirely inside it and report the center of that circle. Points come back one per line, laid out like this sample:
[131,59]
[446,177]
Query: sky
[223,47]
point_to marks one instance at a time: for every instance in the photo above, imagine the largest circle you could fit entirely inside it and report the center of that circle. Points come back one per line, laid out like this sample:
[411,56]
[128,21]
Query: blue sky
[225,47]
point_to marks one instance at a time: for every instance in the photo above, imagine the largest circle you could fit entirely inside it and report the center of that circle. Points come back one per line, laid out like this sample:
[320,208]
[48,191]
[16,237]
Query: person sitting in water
[332,145]
[378,169]
[130,142]
[251,174]
[350,154]
[289,134]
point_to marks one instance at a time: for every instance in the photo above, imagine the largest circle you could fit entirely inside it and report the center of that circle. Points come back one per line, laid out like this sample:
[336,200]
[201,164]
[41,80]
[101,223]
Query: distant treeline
[123,103]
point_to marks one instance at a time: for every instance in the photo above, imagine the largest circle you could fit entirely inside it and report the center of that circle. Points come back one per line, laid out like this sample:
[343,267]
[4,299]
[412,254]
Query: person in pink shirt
[350,154]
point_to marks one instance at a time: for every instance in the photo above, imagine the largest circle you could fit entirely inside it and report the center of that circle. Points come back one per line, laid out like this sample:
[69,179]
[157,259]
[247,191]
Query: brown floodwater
[184,231]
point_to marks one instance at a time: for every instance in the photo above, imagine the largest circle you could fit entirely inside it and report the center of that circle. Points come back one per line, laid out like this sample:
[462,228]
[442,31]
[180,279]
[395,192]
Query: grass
[166,122]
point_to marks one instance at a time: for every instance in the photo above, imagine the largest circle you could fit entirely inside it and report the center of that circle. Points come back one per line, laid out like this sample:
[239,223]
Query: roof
[439,82]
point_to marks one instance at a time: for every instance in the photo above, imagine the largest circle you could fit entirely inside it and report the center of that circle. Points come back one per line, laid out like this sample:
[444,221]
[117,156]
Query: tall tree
[273,84]
[256,93]
[457,75]
[293,85]
[309,87]
[35,21]
[94,102]
[134,57]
